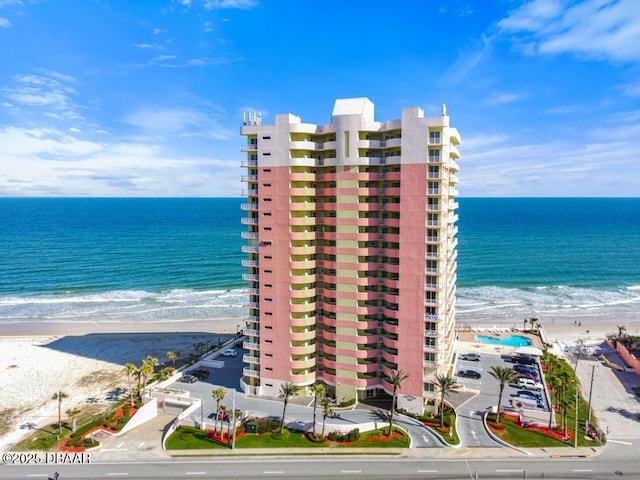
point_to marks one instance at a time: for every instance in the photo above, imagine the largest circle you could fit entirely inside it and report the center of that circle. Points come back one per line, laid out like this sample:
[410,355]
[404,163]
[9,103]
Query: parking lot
[514,398]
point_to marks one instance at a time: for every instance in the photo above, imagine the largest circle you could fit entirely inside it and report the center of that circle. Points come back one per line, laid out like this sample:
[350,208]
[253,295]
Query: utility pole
[593,373]
[233,419]
[575,437]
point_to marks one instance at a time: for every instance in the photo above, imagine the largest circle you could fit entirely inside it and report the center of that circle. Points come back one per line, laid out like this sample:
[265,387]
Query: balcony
[249,235]
[250,346]
[249,372]
[249,178]
[303,336]
[250,332]
[249,147]
[250,359]
[249,163]
[252,192]
[303,307]
[250,277]
[303,363]
[253,206]
[249,221]
[250,263]
[250,248]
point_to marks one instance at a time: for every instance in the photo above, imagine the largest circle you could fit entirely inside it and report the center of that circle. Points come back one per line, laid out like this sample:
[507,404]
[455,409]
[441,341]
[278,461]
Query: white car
[229,352]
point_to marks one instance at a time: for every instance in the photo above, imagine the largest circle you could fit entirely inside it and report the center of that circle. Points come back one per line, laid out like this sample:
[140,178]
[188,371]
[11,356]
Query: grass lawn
[44,439]
[189,438]
[521,437]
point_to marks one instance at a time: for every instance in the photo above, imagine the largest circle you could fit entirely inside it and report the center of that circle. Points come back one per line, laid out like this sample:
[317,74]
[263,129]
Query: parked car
[188,379]
[525,368]
[469,374]
[200,373]
[229,352]
[528,394]
[524,359]
[471,357]
[531,375]
[528,383]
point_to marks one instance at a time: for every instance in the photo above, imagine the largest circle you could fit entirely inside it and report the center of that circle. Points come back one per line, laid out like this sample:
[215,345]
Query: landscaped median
[191,438]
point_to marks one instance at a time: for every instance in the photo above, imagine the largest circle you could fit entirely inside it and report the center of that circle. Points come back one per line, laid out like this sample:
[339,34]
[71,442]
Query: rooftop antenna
[444,110]
[251,118]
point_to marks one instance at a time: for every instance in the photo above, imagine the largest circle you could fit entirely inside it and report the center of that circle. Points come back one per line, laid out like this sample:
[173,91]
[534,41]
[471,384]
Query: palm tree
[552,383]
[146,371]
[504,375]
[524,328]
[59,395]
[129,370]
[564,379]
[318,392]
[172,356]
[166,372]
[621,330]
[287,389]
[395,378]
[218,395]
[327,411]
[71,413]
[446,384]
[533,322]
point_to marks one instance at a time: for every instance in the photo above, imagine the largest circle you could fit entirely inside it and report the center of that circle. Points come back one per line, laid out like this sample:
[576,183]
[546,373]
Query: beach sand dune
[85,365]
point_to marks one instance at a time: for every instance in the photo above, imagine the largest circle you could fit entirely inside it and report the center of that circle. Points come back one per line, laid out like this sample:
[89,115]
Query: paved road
[397,467]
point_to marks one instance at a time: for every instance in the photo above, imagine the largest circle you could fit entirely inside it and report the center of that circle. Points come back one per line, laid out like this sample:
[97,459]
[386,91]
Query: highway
[609,465]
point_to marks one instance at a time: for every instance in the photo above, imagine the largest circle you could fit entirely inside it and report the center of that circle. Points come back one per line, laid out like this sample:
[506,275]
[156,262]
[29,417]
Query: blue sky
[145,98]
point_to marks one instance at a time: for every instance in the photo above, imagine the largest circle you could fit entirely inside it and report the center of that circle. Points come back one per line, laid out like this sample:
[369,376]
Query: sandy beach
[83,360]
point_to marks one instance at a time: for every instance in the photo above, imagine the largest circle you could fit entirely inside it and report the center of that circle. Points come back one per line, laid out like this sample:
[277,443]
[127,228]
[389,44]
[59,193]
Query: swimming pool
[510,341]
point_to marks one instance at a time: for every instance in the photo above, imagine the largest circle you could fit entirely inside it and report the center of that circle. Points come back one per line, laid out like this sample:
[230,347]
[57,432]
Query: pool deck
[468,343]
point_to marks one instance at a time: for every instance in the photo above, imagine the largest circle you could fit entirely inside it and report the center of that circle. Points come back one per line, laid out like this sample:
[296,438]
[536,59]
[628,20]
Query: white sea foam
[490,303]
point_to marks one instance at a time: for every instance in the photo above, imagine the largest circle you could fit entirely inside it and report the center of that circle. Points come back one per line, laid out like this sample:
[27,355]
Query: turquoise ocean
[173,260]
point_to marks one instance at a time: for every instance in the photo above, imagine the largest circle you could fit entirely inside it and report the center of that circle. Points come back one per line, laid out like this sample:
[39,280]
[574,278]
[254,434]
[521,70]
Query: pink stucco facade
[351,252]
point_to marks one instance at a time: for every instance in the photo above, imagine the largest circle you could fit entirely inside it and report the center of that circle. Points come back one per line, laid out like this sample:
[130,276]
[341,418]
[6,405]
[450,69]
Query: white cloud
[467,61]
[49,89]
[4,22]
[183,122]
[631,89]
[242,4]
[592,29]
[38,162]
[503,98]
[497,165]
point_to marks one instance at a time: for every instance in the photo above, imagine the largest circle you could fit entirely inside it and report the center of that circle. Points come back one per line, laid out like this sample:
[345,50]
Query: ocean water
[172,260]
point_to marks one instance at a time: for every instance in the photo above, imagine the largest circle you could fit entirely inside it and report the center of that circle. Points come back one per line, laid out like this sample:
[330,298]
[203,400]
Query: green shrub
[353,435]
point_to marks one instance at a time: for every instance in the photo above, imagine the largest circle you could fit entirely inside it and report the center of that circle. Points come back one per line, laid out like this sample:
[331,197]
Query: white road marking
[120,445]
[350,471]
[273,472]
[507,471]
[37,475]
[195,473]
[426,471]
[618,441]
[141,444]
[582,470]
[425,438]
[116,474]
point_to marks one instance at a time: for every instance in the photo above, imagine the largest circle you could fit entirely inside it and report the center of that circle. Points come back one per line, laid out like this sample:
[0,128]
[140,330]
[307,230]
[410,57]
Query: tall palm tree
[287,390]
[218,395]
[146,371]
[172,356]
[395,377]
[564,380]
[71,413]
[552,383]
[504,375]
[621,330]
[318,391]
[59,396]
[129,370]
[327,411]
[445,384]
[524,328]
[533,322]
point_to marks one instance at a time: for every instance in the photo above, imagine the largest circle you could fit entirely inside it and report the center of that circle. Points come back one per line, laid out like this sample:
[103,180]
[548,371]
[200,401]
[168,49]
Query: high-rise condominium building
[351,230]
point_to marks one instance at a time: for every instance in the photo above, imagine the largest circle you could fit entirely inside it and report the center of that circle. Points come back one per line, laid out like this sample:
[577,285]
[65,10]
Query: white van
[529,384]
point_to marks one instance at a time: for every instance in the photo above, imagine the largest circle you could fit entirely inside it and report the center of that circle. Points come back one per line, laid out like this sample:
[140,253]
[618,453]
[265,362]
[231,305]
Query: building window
[434,138]
[434,155]
[346,144]
[267,170]
[266,154]
[266,137]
